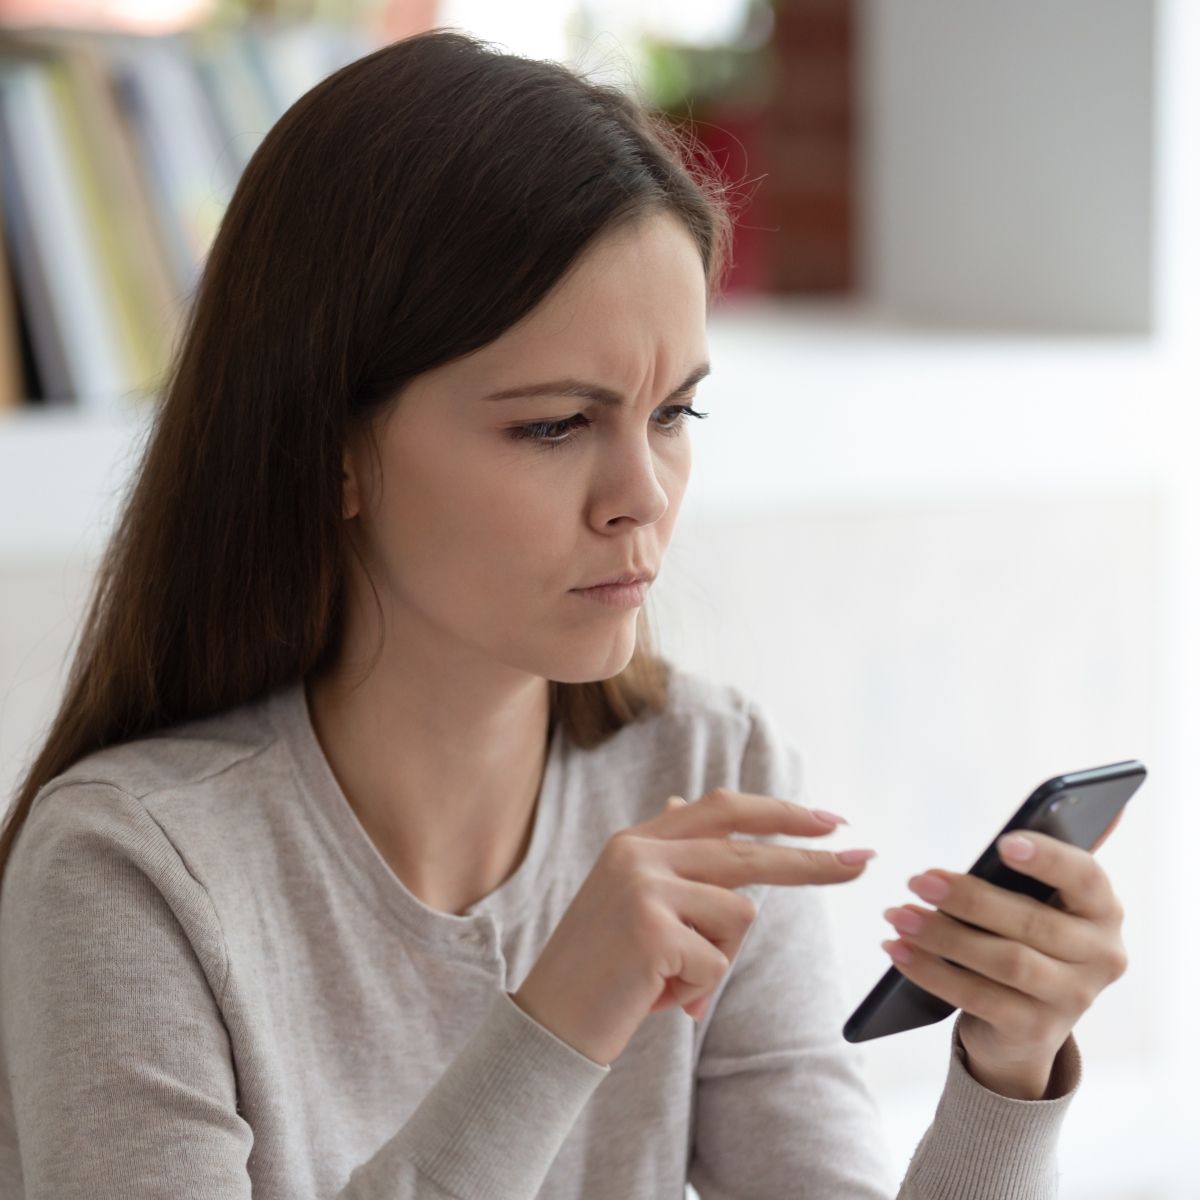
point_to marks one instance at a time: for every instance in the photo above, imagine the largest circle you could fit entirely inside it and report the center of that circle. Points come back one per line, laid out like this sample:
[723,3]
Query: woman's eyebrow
[589,391]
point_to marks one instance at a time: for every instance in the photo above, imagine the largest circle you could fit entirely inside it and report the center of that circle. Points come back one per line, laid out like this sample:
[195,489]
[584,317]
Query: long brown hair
[407,210]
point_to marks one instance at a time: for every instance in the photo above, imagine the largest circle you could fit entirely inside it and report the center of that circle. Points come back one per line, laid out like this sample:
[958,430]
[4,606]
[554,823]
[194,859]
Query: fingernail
[1016,846]
[854,857]
[929,887]
[832,818]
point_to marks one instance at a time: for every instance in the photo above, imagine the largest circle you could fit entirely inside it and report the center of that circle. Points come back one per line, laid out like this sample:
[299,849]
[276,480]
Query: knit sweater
[213,986]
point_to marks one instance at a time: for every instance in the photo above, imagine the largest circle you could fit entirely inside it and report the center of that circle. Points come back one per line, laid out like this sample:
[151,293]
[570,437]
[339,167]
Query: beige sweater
[212,986]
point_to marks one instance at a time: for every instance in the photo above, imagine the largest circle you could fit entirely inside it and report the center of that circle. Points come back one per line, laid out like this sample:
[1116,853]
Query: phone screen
[1080,808]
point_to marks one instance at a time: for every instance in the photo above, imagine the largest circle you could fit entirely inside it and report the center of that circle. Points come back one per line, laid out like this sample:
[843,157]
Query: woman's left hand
[1031,969]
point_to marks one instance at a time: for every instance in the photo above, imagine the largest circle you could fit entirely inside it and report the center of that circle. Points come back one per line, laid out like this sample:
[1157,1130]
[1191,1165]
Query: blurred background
[944,520]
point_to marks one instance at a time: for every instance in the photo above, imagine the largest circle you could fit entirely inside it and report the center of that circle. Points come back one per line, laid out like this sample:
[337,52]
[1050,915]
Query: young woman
[373,853]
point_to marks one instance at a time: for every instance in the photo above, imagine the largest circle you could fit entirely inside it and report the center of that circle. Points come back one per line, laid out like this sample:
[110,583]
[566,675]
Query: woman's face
[475,535]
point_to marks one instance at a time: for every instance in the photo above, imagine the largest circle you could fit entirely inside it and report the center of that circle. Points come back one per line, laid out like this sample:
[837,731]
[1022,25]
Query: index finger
[732,864]
[724,811]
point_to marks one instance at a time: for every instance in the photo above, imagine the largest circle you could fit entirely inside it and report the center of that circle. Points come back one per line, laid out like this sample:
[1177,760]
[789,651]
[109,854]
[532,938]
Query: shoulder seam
[212,908]
[62,783]
[257,750]
[183,862]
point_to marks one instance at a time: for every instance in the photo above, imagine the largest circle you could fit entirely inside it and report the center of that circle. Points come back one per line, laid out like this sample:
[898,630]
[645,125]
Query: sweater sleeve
[782,1106]
[112,968]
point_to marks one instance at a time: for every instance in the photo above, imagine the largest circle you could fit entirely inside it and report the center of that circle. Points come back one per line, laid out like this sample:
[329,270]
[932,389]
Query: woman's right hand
[656,925]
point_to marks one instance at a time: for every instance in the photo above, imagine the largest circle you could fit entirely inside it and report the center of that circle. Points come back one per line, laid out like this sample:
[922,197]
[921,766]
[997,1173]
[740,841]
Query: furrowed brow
[589,391]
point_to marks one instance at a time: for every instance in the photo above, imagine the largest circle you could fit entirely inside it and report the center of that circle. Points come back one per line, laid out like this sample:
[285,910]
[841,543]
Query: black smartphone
[1080,808]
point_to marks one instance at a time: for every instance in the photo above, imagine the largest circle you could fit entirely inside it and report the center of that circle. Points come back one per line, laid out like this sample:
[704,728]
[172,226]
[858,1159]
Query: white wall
[1010,172]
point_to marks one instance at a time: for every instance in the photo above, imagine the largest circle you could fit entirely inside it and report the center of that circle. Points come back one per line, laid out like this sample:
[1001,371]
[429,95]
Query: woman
[357,861]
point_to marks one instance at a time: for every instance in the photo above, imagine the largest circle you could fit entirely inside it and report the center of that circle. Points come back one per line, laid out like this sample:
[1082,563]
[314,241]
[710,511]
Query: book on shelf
[118,156]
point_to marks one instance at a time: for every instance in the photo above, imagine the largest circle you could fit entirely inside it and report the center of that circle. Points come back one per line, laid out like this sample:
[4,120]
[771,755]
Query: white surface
[61,479]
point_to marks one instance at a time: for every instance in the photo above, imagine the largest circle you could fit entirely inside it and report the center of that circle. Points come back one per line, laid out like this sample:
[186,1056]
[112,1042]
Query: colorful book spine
[118,156]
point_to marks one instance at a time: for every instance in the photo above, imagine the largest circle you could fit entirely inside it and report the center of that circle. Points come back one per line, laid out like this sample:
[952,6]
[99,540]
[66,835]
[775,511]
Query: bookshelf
[118,156]
[119,150]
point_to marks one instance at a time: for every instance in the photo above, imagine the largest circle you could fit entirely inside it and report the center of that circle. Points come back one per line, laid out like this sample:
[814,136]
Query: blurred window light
[533,28]
[131,16]
[699,23]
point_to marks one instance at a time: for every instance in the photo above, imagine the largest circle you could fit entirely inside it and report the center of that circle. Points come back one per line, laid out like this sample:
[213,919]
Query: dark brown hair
[407,210]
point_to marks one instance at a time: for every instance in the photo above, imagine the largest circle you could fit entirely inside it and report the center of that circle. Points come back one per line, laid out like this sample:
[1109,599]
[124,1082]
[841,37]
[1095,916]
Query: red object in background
[808,145]
[734,138]
[791,158]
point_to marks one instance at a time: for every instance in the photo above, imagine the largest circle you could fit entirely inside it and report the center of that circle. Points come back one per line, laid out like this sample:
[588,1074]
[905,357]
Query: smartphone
[1081,809]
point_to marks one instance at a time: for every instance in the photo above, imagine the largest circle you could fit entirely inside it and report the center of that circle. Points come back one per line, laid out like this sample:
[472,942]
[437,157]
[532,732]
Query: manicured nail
[832,818]
[904,920]
[853,857]
[1016,846]
[929,887]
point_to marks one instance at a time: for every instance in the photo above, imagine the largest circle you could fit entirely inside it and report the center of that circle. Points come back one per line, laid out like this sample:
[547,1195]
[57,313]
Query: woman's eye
[552,434]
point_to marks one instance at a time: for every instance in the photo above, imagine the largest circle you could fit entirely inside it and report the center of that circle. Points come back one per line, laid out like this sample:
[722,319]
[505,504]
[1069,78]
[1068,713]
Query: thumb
[673,802]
